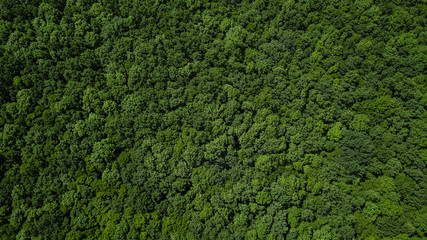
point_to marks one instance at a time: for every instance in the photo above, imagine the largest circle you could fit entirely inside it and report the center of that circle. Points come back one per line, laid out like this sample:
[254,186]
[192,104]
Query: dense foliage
[189,119]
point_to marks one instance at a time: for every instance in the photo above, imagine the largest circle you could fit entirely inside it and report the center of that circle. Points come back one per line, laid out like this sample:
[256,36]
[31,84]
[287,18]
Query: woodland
[192,119]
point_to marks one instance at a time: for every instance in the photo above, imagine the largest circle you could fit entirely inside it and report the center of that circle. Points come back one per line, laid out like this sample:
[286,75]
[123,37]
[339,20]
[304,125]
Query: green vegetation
[191,119]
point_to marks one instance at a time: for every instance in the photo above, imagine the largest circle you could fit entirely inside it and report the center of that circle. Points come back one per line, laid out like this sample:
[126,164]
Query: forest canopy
[190,119]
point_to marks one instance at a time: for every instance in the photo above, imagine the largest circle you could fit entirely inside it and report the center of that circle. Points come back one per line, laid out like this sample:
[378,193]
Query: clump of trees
[188,119]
